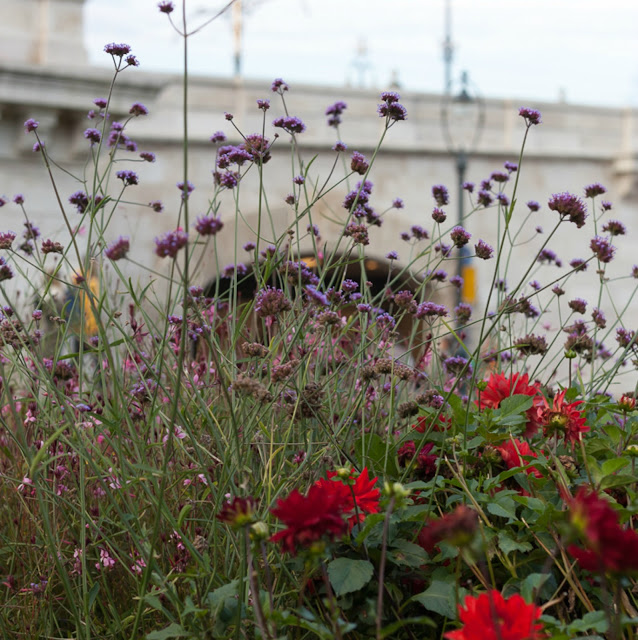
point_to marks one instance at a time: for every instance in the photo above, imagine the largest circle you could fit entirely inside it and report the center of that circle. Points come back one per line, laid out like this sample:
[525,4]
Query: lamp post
[462,119]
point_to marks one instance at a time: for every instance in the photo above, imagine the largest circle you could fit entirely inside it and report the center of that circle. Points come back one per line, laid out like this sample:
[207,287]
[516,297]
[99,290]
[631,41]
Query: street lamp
[462,120]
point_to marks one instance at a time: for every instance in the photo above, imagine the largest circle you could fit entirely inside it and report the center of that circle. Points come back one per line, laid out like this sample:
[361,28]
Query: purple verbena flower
[569,206]
[615,228]
[499,176]
[430,310]
[484,198]
[278,86]
[93,135]
[264,105]
[166,6]
[441,195]
[127,177]
[49,246]
[393,255]
[186,189]
[460,237]
[593,190]
[483,250]
[156,205]
[419,233]
[511,167]
[271,302]
[31,125]
[118,249]
[80,200]
[334,111]
[598,317]
[100,102]
[578,305]
[531,116]
[397,203]
[602,249]
[503,199]
[340,146]
[533,205]
[393,111]
[18,199]
[6,239]
[138,109]
[208,225]
[358,163]
[468,186]
[605,205]
[438,215]
[290,124]
[217,137]
[578,264]
[456,281]
[168,244]
[118,50]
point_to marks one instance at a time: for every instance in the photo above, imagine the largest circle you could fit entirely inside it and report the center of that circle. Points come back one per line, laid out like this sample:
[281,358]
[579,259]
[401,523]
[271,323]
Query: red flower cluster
[562,418]
[492,617]
[322,512]
[511,452]
[608,546]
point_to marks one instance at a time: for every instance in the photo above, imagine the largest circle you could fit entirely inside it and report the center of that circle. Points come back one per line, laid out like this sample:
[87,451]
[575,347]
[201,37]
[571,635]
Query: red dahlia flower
[562,418]
[309,518]
[608,546]
[492,617]
[511,452]
[500,387]
[362,490]
[457,527]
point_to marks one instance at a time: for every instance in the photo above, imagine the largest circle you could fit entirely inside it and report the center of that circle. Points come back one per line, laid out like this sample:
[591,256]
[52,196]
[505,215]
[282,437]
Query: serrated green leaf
[503,509]
[508,544]
[348,575]
[438,597]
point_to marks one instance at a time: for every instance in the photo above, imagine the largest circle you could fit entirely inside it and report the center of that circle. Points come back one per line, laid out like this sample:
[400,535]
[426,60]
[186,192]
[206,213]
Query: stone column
[42,32]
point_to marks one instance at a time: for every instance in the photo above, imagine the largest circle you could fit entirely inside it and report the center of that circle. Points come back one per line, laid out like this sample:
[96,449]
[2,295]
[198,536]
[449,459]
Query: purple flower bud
[602,249]
[138,109]
[208,225]
[460,237]
[168,245]
[278,86]
[127,177]
[93,135]
[593,190]
[340,146]
[569,206]
[118,50]
[31,125]
[359,164]
[166,6]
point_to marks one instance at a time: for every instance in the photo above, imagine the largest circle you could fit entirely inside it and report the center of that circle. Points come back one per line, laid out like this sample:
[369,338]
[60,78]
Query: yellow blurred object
[468,291]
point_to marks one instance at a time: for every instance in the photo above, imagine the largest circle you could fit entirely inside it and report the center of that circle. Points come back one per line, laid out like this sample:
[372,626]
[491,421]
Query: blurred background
[463,69]
[582,51]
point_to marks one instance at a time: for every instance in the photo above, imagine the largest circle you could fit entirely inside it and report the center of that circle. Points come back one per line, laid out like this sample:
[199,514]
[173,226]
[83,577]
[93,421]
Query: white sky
[520,49]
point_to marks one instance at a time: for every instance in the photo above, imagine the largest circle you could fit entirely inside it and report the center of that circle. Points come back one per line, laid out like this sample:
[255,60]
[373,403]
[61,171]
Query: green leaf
[596,620]
[438,597]
[513,404]
[173,630]
[611,466]
[504,509]
[531,586]
[508,544]
[217,598]
[348,575]
[619,480]
[407,553]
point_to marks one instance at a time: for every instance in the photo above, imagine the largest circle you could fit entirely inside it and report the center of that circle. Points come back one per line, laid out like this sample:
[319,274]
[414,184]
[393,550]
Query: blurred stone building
[575,145]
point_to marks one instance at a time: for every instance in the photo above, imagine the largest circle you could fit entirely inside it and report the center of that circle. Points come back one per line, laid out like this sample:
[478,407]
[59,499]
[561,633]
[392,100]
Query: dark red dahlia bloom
[457,527]
[361,490]
[492,617]
[562,418]
[608,547]
[309,518]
